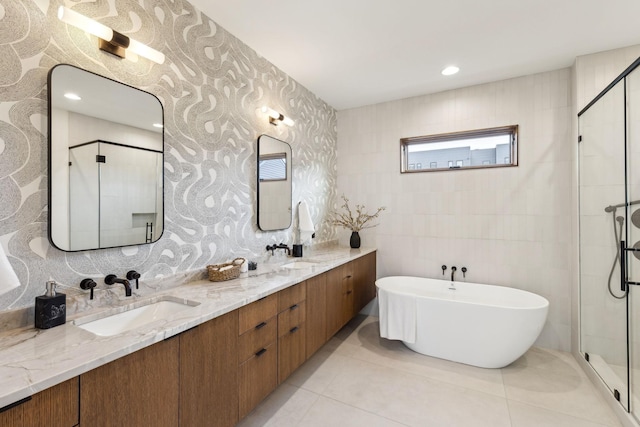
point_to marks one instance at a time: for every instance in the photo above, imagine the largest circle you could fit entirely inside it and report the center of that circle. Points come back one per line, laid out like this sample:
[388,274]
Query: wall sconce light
[276,118]
[110,40]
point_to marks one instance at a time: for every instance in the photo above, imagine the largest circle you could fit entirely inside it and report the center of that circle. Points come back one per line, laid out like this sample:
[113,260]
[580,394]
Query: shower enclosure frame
[621,283]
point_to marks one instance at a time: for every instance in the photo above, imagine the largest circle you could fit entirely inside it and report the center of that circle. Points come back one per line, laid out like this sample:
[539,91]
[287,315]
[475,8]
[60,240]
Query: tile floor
[359,379]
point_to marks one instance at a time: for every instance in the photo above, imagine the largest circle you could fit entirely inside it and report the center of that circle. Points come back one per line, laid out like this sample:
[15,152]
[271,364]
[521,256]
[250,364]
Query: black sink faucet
[272,248]
[453,273]
[112,278]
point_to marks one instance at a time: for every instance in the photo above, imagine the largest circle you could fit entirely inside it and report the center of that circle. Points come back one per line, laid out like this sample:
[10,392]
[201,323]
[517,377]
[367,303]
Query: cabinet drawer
[291,351]
[291,317]
[292,295]
[257,312]
[57,406]
[257,378]
[257,338]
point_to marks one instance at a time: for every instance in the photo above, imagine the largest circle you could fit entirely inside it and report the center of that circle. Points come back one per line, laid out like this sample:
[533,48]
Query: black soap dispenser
[51,308]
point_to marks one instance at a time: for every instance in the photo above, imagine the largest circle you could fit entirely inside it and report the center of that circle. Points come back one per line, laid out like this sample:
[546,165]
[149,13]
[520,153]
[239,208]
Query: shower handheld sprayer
[621,250]
[617,232]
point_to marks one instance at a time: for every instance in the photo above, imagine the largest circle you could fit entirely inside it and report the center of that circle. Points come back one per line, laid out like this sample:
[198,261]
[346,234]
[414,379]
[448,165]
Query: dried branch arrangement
[354,222]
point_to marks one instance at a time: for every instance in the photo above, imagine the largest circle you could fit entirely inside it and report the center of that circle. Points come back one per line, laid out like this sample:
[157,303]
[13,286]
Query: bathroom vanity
[211,365]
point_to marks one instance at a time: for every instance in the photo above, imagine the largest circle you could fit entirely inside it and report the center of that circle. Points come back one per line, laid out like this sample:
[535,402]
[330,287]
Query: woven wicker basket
[218,272]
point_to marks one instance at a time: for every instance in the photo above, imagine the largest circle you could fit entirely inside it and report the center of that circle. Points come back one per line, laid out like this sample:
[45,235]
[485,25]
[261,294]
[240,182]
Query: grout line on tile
[368,412]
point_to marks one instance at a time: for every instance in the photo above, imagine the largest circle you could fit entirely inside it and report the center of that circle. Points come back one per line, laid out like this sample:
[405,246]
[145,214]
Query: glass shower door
[603,221]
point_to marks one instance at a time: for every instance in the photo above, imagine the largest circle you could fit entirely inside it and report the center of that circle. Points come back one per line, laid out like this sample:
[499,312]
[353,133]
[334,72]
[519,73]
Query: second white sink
[297,265]
[135,317]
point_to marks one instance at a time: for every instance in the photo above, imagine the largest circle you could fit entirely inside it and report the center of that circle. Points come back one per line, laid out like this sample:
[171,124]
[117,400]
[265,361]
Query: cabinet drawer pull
[292,330]
[293,307]
[348,277]
[349,291]
[261,352]
[261,325]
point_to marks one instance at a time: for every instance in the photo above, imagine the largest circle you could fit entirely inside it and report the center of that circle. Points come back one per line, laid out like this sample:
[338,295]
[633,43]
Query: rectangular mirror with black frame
[106,155]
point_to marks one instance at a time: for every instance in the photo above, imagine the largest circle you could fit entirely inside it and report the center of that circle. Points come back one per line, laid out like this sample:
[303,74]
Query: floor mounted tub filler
[480,325]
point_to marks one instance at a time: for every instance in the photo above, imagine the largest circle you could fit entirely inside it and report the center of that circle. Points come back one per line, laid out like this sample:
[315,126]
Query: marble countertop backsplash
[32,360]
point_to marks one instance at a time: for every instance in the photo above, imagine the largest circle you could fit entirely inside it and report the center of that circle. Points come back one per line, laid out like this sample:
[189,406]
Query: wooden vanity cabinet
[258,352]
[364,281]
[140,389]
[339,298]
[57,406]
[215,373]
[291,329]
[209,373]
[316,318]
[349,288]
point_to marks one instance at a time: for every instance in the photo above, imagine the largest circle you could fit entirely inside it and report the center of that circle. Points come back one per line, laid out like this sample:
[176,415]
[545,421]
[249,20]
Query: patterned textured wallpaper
[211,86]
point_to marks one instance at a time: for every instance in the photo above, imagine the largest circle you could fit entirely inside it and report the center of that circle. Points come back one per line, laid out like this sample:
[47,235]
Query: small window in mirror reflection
[273,167]
[483,148]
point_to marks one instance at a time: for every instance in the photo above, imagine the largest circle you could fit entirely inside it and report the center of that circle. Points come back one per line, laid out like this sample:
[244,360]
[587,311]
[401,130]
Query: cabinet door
[291,351]
[364,278]
[258,377]
[54,407]
[316,319]
[209,373]
[140,389]
[339,298]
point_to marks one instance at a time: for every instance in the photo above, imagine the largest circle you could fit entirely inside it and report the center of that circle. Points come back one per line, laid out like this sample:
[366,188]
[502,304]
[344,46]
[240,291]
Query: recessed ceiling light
[450,70]
[72,96]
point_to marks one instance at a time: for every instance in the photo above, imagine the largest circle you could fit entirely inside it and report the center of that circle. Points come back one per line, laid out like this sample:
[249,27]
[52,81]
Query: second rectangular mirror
[274,184]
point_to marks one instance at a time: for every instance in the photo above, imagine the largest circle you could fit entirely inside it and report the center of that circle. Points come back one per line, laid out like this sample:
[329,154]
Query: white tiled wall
[594,72]
[508,226]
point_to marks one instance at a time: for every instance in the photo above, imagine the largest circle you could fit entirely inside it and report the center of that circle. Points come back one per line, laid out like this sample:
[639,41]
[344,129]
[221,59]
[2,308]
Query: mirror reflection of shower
[617,232]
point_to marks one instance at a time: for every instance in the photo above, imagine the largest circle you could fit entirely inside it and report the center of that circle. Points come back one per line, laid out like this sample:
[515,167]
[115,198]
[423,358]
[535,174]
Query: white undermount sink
[298,265]
[136,316]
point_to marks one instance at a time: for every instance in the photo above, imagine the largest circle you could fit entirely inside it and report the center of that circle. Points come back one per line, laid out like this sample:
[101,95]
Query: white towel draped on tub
[397,316]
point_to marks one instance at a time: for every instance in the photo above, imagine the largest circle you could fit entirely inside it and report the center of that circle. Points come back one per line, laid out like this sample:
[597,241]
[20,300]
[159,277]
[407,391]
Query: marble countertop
[32,360]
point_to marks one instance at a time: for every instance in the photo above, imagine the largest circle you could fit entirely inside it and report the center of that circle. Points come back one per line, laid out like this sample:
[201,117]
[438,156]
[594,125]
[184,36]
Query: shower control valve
[444,268]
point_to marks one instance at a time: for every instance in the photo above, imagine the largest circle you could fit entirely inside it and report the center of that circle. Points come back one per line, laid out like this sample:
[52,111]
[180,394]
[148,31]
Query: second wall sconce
[110,40]
[276,118]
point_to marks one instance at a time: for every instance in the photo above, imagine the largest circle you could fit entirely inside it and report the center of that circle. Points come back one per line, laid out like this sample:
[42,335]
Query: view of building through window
[482,148]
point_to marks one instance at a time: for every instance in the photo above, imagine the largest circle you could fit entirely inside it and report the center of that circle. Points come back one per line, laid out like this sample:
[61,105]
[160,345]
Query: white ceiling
[358,52]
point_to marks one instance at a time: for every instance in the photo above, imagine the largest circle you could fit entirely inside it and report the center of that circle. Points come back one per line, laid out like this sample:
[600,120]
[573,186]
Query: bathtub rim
[543,302]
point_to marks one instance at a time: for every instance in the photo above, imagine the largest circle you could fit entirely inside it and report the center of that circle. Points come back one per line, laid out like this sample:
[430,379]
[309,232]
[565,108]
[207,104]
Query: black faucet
[453,272]
[272,248]
[112,278]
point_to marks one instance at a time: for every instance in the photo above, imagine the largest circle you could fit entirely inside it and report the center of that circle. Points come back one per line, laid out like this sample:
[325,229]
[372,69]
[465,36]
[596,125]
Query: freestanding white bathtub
[481,325]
